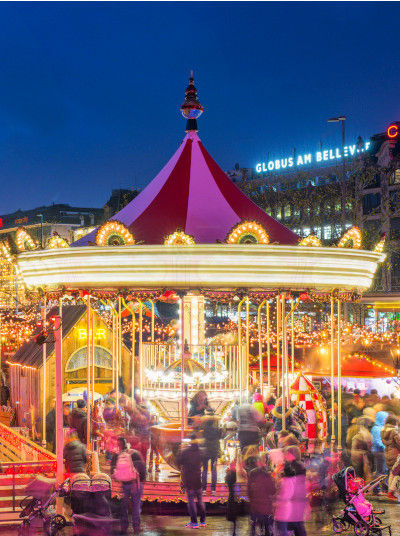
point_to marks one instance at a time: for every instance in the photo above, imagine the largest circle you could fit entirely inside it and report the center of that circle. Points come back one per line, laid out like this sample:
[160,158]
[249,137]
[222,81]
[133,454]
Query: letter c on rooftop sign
[392,131]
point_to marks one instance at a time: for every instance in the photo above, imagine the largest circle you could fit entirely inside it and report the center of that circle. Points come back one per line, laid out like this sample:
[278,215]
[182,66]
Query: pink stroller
[358,512]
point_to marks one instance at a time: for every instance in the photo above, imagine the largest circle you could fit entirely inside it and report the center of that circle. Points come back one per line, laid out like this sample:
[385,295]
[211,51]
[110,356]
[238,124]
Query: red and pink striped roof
[192,193]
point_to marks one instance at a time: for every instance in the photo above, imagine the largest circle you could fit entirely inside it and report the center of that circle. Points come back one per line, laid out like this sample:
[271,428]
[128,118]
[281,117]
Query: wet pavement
[169,525]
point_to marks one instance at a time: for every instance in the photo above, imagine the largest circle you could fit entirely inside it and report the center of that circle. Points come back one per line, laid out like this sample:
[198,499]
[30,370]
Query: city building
[329,190]
[42,222]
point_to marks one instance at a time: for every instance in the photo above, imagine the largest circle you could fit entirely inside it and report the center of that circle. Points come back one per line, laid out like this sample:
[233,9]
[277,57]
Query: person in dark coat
[132,490]
[211,436]
[75,455]
[232,506]
[78,420]
[261,489]
[51,429]
[198,406]
[190,460]
[5,396]
[391,440]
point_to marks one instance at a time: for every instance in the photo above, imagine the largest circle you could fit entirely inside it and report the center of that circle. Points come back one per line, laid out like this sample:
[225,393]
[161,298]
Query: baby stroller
[90,504]
[358,512]
[38,505]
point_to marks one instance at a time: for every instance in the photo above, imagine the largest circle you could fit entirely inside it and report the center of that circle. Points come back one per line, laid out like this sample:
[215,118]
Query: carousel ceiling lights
[202,265]
[351,239]
[248,232]
[114,233]
[179,238]
[24,240]
[310,240]
[56,241]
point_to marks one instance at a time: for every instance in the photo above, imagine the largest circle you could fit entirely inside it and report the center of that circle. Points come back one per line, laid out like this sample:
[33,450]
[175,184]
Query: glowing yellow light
[179,238]
[248,232]
[351,239]
[380,245]
[114,233]
[310,240]
[56,241]
[24,240]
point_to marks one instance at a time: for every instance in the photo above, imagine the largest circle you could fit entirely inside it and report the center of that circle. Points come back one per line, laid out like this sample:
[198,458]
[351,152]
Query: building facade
[328,191]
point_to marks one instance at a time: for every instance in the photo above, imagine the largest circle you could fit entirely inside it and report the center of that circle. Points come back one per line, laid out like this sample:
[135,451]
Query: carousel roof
[192,194]
[358,365]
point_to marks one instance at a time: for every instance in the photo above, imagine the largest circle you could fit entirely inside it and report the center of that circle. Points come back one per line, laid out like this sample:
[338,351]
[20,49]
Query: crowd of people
[285,482]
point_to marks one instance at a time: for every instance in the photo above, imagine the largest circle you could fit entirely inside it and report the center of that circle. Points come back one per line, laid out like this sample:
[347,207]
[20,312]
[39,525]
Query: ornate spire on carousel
[191,107]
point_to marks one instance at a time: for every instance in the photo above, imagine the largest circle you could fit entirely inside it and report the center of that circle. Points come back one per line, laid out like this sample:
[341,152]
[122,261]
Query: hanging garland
[24,240]
[219,296]
[248,232]
[56,241]
[179,238]
[114,233]
[351,239]
[310,240]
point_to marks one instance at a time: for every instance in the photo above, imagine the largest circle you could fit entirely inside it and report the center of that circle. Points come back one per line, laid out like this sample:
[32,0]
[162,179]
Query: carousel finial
[191,107]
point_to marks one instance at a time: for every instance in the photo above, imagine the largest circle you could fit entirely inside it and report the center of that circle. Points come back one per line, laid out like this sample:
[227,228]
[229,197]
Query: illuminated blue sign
[328,155]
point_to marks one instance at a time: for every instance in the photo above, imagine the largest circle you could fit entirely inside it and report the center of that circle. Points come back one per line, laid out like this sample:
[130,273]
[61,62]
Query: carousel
[194,233]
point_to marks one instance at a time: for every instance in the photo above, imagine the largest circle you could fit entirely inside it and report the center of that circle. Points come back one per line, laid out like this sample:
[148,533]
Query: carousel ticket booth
[28,362]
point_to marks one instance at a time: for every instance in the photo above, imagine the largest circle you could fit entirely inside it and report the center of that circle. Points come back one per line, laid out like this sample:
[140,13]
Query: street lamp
[342,119]
[41,229]
[339,119]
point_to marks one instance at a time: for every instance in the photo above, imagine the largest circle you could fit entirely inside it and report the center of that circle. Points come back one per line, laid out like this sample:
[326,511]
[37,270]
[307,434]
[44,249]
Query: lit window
[338,206]
[268,211]
[308,211]
[317,209]
[306,231]
[287,211]
[318,231]
[338,231]
[278,213]
[349,205]
[395,178]
[296,212]
[347,225]
[327,232]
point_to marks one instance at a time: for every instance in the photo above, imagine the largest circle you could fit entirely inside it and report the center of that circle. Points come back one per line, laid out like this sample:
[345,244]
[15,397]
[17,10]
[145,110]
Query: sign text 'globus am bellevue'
[327,155]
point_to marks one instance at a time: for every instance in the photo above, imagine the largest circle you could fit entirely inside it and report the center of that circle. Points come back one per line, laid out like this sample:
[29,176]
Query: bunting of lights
[380,245]
[24,240]
[248,232]
[310,240]
[56,241]
[114,233]
[351,239]
[179,238]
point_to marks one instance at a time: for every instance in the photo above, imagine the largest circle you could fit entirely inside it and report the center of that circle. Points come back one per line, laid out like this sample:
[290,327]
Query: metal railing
[18,469]
[221,364]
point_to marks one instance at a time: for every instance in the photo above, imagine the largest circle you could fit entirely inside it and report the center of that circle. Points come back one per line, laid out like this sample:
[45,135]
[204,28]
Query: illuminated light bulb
[310,240]
[24,240]
[257,232]
[351,239]
[179,238]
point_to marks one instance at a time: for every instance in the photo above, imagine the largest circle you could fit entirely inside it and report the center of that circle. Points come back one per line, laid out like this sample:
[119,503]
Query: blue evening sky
[90,92]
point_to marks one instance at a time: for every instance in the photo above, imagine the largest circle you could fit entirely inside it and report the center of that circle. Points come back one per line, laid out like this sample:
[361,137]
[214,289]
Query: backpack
[124,470]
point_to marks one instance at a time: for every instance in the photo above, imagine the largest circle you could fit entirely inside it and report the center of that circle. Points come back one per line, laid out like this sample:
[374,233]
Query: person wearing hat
[291,500]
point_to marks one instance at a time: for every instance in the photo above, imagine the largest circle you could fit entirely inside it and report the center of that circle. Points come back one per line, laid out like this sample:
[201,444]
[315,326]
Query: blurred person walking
[128,467]
[291,499]
[78,420]
[261,489]
[378,448]
[190,460]
[75,454]
[391,440]
[211,436]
